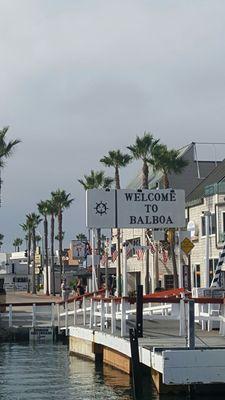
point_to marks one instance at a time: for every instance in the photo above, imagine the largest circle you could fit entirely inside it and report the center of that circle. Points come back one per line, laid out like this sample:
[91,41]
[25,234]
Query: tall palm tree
[62,201]
[53,211]
[33,220]
[142,150]
[117,160]
[168,161]
[1,240]
[27,227]
[96,180]
[43,208]
[6,149]
[17,243]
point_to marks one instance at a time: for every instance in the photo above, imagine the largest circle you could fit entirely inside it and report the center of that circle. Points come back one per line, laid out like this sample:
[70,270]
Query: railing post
[10,316]
[95,309]
[222,320]
[66,318]
[52,314]
[102,319]
[123,317]
[84,310]
[34,315]
[191,324]
[91,314]
[182,318]
[136,370]
[139,311]
[58,314]
[113,317]
[74,315]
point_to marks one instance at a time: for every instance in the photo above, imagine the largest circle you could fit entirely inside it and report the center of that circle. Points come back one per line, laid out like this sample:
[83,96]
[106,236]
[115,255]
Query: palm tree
[142,150]
[6,149]
[27,227]
[38,239]
[33,220]
[168,161]
[82,237]
[17,243]
[53,211]
[1,240]
[62,201]
[57,236]
[43,208]
[96,180]
[117,160]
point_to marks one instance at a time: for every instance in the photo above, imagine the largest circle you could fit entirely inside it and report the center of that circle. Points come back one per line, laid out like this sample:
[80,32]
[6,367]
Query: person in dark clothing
[80,292]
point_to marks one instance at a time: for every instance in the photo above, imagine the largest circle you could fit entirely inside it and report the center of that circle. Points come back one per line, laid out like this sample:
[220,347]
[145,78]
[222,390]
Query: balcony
[216,188]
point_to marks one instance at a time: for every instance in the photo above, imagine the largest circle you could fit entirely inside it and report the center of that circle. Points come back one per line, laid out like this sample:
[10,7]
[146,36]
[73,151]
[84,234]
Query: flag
[114,256]
[151,248]
[129,249]
[164,256]
[140,254]
[104,259]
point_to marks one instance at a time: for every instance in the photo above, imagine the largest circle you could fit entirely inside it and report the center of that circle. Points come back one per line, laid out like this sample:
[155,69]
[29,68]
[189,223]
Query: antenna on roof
[197,163]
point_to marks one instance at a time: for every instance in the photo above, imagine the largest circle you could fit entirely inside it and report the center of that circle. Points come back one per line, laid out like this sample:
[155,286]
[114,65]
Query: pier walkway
[99,327]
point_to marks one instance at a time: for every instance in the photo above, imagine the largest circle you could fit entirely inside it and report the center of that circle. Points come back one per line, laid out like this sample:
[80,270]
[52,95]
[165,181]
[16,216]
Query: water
[38,372]
[48,372]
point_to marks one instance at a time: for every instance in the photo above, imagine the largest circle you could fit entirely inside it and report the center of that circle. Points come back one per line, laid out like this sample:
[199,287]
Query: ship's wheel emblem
[101,208]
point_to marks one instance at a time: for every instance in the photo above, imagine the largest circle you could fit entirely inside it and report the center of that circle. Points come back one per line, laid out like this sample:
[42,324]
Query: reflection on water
[48,372]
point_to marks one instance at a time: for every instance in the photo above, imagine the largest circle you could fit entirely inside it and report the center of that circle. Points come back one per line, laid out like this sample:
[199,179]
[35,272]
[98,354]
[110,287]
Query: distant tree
[43,208]
[27,227]
[17,243]
[82,237]
[6,149]
[1,240]
[62,201]
[53,211]
[33,220]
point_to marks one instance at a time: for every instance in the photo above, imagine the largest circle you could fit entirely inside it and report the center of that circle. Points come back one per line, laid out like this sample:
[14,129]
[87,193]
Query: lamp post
[207,215]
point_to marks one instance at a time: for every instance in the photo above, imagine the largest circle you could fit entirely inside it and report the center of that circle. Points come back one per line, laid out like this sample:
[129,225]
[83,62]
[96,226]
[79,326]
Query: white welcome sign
[126,208]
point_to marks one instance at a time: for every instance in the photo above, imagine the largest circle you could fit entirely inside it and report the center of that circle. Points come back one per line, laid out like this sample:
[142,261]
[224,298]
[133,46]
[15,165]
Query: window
[197,275]
[168,280]
[134,242]
[212,224]
[212,267]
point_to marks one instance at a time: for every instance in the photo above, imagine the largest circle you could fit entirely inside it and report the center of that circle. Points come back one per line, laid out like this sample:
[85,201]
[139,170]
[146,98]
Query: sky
[81,77]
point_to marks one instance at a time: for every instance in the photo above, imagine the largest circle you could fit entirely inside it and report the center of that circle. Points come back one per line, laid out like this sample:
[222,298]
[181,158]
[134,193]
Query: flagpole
[124,269]
[94,286]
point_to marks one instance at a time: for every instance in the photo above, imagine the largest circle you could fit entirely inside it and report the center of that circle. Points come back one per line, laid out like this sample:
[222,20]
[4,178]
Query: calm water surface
[38,372]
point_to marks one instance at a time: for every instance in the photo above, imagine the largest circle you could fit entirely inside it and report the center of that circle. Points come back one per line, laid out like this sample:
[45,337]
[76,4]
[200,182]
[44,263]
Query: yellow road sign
[186,245]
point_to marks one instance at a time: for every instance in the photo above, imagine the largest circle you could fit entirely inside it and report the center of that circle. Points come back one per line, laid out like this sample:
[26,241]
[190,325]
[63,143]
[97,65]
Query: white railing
[103,314]
[29,315]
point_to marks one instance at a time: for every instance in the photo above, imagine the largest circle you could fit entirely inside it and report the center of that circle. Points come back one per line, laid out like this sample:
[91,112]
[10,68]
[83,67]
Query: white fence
[28,315]
[103,314]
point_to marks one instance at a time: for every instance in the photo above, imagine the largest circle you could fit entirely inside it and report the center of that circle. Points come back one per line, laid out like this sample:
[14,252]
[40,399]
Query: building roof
[215,176]
[187,180]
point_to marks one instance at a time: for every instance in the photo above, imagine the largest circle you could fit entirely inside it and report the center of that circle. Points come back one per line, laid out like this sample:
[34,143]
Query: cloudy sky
[81,77]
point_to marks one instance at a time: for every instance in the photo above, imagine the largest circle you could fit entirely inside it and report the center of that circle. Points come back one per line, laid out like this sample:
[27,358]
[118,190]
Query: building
[192,176]
[205,206]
